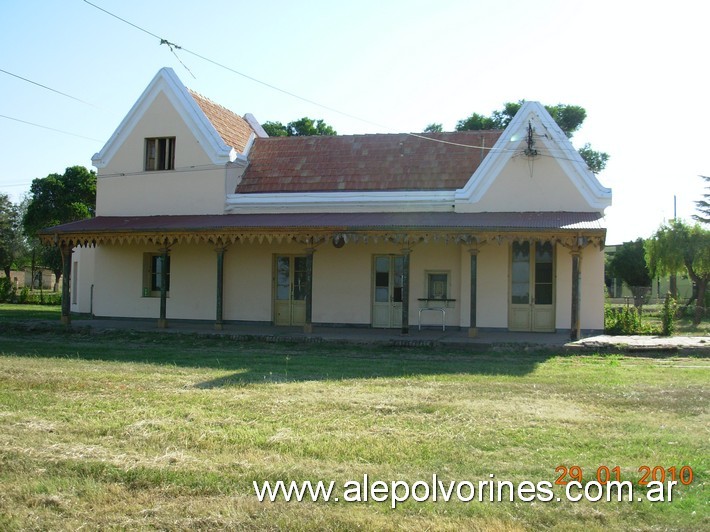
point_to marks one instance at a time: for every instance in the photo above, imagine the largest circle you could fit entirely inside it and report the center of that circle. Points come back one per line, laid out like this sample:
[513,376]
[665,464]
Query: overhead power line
[173,47]
[48,88]
[50,128]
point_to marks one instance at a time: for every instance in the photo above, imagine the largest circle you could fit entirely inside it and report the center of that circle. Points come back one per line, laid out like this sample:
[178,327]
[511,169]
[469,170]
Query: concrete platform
[426,337]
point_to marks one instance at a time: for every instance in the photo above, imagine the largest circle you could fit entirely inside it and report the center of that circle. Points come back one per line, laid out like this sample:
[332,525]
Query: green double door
[532,287]
[290,289]
[388,276]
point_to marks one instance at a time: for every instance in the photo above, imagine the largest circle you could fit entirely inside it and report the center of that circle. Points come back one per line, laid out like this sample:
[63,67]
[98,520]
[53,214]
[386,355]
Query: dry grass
[155,431]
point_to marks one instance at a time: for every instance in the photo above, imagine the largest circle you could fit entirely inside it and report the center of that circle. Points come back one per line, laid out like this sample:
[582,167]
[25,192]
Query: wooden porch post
[473,330]
[66,251]
[220,288]
[405,290]
[576,273]
[308,325]
[163,321]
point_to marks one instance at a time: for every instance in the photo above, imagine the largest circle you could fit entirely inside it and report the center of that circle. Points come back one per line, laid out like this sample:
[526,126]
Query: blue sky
[638,68]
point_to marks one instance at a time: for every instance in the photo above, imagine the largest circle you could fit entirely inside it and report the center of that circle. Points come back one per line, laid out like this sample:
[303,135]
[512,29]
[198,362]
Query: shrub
[24,295]
[625,320]
[7,291]
[670,307]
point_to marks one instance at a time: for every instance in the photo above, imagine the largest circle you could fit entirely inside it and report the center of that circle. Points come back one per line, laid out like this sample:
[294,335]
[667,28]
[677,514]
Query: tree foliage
[677,246]
[629,265]
[58,199]
[703,205]
[596,160]
[569,117]
[434,127]
[298,128]
[11,236]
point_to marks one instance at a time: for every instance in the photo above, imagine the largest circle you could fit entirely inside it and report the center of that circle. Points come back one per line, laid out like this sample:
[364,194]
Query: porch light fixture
[338,240]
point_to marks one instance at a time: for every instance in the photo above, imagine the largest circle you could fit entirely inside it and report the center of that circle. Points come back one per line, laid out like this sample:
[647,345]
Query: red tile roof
[439,161]
[234,130]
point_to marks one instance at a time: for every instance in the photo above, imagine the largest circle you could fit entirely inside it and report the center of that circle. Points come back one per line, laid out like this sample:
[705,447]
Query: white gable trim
[167,82]
[389,201]
[555,143]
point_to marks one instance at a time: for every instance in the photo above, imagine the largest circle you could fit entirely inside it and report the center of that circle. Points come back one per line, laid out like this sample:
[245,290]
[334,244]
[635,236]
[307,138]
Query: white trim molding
[556,143]
[167,82]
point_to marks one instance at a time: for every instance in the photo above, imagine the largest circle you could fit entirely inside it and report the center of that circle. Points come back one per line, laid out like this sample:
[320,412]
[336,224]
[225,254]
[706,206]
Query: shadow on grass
[255,361]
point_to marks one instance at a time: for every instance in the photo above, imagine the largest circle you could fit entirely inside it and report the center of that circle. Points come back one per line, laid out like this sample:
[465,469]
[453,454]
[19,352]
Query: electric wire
[50,128]
[48,88]
[173,46]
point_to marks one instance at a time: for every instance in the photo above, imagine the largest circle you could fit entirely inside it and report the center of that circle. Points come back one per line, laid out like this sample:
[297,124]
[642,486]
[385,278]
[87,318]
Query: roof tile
[432,161]
[234,130]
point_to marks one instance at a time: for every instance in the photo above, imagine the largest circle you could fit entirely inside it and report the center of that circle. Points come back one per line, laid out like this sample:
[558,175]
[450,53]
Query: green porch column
[308,325]
[574,332]
[472,329]
[405,290]
[66,251]
[163,321]
[218,324]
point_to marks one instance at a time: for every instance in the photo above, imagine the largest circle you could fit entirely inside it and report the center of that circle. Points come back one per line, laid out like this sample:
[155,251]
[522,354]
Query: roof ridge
[495,132]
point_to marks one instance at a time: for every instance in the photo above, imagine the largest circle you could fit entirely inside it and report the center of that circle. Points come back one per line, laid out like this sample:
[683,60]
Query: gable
[166,86]
[554,178]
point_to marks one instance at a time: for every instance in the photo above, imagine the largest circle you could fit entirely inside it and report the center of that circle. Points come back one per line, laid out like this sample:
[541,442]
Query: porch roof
[303,226]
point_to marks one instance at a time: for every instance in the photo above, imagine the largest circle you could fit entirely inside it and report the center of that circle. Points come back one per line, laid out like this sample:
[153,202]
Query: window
[152,270]
[437,285]
[160,154]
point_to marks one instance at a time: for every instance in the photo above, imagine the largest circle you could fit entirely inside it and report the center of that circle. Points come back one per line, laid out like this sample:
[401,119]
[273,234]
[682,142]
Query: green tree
[434,128]
[629,265]
[704,204]
[58,199]
[596,160]
[299,128]
[275,129]
[677,246]
[11,236]
[569,117]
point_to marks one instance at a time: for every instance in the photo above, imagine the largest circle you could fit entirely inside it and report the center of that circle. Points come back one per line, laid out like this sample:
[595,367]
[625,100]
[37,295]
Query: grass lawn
[131,431]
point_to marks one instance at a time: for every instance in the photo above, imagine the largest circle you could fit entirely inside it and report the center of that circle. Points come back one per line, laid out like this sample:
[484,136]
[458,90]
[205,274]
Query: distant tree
[704,204]
[11,236]
[677,246]
[58,199]
[629,265]
[298,128]
[434,128]
[275,129]
[477,122]
[569,117]
[596,160]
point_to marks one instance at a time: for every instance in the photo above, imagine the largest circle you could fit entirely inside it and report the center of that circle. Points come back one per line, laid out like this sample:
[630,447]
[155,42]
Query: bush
[670,307]
[7,291]
[44,298]
[625,320]
[24,294]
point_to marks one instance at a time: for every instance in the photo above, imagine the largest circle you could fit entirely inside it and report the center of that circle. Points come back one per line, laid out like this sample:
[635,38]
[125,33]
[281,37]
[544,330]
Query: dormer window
[160,154]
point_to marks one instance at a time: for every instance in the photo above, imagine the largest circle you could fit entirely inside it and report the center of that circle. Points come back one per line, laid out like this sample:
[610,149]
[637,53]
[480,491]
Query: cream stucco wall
[342,283]
[82,279]
[196,187]
[530,185]
[492,275]
[592,289]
